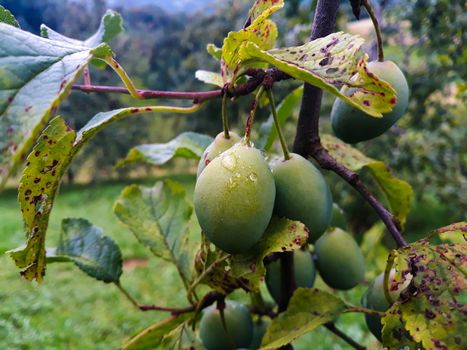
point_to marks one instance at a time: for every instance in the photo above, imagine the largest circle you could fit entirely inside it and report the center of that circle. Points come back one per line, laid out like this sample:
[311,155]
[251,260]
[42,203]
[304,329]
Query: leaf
[308,308]
[324,62]
[95,254]
[398,192]
[111,25]
[45,166]
[209,77]
[247,270]
[151,337]
[374,251]
[267,130]
[433,310]
[261,31]
[454,233]
[7,17]
[101,120]
[188,145]
[214,51]
[36,74]
[158,216]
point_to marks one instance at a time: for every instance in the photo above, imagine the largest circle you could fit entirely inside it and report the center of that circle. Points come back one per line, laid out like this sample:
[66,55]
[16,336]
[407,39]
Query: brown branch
[332,327]
[257,77]
[307,141]
[173,310]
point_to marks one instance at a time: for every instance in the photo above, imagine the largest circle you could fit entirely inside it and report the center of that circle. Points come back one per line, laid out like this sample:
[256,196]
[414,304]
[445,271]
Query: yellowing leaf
[398,192]
[247,270]
[308,308]
[433,309]
[41,178]
[336,59]
[261,31]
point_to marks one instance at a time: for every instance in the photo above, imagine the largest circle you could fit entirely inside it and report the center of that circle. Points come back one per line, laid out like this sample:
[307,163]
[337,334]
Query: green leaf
[152,336]
[262,32]
[454,233]
[46,165]
[325,62]
[158,216]
[95,254]
[101,120]
[190,145]
[7,17]
[36,74]
[433,309]
[308,308]
[398,192]
[214,51]
[209,77]
[374,251]
[111,25]
[247,270]
[267,130]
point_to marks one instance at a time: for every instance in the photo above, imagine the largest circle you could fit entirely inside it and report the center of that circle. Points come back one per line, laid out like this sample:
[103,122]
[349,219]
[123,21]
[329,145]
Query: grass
[72,311]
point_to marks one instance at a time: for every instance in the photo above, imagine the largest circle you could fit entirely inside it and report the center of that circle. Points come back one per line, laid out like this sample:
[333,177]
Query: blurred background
[161,48]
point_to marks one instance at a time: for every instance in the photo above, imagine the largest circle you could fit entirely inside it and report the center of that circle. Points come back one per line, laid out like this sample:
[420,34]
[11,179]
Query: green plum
[339,260]
[338,218]
[219,145]
[238,331]
[375,299]
[304,272]
[234,198]
[302,194]
[352,125]
[259,329]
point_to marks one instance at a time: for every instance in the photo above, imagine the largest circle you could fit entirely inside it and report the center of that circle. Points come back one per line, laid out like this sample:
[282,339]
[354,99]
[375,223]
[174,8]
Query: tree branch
[307,141]
[332,327]
[257,77]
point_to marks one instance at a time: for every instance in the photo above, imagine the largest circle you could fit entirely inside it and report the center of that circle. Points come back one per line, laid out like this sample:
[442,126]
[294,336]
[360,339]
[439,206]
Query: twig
[307,141]
[364,310]
[257,76]
[374,19]
[343,336]
[173,310]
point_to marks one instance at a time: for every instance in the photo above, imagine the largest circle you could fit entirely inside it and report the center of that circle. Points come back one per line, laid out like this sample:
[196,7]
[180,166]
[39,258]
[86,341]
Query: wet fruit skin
[375,299]
[219,145]
[234,198]
[239,325]
[304,272]
[259,329]
[302,194]
[352,125]
[339,260]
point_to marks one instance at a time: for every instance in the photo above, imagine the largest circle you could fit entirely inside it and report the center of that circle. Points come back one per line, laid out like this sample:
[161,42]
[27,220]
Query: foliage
[428,313]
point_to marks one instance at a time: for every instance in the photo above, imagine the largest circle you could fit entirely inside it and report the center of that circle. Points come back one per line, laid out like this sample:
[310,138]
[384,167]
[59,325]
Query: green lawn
[72,311]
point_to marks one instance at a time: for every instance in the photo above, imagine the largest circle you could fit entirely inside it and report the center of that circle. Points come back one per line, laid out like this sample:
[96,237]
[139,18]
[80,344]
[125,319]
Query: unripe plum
[339,260]
[304,273]
[219,145]
[338,218]
[259,329]
[302,194]
[375,299]
[352,125]
[234,198]
[238,332]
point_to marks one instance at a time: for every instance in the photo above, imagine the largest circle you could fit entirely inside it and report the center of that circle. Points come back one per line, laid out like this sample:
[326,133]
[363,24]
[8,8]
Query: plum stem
[225,120]
[272,103]
[251,117]
[374,20]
